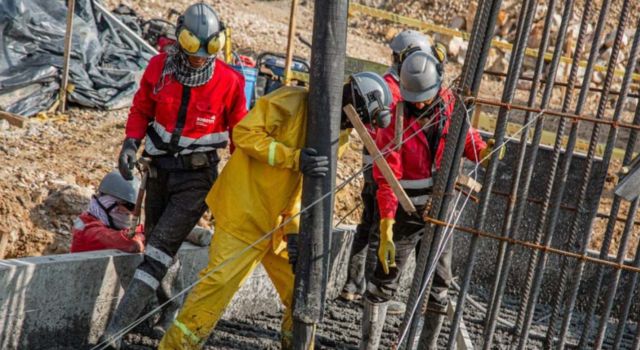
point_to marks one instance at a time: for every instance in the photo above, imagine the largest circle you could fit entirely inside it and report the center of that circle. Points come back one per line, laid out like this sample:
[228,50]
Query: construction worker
[428,111]
[186,106]
[106,223]
[258,192]
[367,230]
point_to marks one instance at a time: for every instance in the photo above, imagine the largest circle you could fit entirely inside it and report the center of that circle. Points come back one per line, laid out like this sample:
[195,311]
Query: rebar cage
[546,245]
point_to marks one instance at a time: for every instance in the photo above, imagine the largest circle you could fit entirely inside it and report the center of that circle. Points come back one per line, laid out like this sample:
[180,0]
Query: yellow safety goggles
[191,44]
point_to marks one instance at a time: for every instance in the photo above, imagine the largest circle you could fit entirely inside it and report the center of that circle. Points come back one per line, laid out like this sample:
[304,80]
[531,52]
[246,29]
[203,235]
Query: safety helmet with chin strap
[199,31]
[410,38]
[420,77]
[371,97]
[116,186]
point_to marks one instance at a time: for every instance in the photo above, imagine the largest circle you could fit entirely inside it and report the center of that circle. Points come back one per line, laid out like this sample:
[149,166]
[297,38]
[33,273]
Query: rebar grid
[573,254]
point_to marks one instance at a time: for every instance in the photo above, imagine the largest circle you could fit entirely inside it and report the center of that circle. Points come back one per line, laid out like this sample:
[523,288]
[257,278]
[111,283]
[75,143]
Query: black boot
[170,287]
[135,299]
[373,318]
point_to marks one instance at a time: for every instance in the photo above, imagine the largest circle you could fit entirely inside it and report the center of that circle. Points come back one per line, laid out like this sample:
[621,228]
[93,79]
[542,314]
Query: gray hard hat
[420,77]
[115,185]
[370,85]
[203,22]
[408,39]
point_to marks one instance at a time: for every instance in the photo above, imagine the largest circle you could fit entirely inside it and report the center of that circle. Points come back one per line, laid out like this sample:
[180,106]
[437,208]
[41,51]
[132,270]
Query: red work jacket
[413,164]
[394,86]
[210,111]
[89,233]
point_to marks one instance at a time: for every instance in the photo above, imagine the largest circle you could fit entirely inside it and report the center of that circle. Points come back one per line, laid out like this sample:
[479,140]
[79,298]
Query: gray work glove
[311,164]
[128,157]
[200,236]
[292,250]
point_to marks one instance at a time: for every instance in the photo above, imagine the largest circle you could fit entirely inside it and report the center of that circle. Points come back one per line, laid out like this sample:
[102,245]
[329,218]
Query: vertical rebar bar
[630,291]
[538,259]
[615,207]
[515,65]
[476,56]
[512,223]
[568,273]
[613,285]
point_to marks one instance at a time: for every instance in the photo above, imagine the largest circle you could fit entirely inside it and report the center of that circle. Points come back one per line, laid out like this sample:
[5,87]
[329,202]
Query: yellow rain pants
[258,189]
[207,301]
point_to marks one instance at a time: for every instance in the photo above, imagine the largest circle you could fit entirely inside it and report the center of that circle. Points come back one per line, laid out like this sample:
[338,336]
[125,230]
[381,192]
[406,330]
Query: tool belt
[193,161]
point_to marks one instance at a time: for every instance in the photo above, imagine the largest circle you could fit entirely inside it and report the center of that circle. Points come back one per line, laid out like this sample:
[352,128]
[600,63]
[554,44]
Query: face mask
[120,220]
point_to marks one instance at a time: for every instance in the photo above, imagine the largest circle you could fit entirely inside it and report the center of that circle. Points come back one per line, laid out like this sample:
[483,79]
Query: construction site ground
[50,168]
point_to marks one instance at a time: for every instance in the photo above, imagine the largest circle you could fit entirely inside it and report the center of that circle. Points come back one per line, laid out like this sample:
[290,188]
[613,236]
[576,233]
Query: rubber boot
[170,287]
[373,318]
[431,331]
[396,308]
[135,299]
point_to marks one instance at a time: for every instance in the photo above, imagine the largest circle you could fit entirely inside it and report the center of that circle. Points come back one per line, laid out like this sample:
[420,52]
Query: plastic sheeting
[104,64]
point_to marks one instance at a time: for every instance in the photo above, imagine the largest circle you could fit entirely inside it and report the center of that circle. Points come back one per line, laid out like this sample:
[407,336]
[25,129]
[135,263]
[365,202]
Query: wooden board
[14,119]
[382,164]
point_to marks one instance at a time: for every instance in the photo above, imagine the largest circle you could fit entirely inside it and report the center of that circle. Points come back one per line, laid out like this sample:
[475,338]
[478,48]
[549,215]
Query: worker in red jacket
[428,111]
[363,251]
[106,223]
[185,109]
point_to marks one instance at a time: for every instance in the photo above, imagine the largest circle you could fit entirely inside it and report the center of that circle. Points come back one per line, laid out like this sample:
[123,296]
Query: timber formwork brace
[573,254]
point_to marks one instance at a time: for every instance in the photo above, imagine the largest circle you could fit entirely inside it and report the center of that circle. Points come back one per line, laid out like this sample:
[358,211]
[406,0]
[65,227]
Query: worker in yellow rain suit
[258,191]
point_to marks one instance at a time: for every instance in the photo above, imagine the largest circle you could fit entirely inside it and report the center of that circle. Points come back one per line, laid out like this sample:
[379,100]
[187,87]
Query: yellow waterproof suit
[259,188]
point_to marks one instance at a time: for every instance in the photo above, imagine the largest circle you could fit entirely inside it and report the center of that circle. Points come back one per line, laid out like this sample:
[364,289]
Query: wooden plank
[4,240]
[14,119]
[68,39]
[382,164]
[463,340]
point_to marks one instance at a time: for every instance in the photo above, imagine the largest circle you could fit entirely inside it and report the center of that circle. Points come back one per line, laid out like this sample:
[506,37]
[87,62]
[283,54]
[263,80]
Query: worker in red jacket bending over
[185,109]
[106,223]
[428,111]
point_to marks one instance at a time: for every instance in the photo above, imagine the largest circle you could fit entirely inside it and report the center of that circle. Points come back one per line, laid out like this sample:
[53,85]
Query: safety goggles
[191,44]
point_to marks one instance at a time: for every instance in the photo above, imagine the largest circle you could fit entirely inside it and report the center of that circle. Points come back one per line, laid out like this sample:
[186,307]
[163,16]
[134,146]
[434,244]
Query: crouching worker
[258,193]
[428,112]
[107,221]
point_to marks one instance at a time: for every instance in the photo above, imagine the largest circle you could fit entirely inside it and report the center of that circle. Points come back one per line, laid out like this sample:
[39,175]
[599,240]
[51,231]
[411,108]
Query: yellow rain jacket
[261,184]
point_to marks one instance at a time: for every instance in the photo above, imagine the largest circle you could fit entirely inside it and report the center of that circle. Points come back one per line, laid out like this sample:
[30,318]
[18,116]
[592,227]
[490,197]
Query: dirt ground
[50,169]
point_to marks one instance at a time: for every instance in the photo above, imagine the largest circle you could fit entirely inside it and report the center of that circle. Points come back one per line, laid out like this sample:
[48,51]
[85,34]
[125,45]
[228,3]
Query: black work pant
[365,242]
[173,206]
[407,233]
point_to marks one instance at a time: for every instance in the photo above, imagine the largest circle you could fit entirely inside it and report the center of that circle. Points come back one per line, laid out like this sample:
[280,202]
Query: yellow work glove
[484,154]
[387,249]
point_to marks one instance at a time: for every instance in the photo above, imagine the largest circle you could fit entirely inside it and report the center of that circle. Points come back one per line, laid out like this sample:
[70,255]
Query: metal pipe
[323,124]
[515,66]
[573,275]
[615,207]
[505,253]
[68,40]
[536,265]
[471,73]
[290,43]
[130,33]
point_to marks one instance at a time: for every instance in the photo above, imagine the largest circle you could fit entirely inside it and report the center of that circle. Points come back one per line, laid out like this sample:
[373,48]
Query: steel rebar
[615,207]
[515,66]
[506,251]
[536,263]
[573,275]
[469,83]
